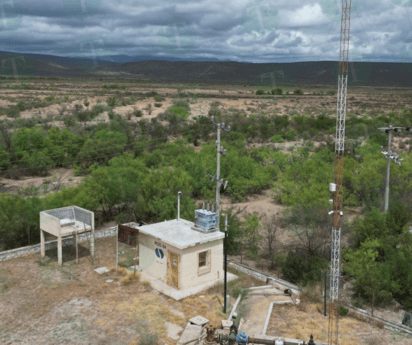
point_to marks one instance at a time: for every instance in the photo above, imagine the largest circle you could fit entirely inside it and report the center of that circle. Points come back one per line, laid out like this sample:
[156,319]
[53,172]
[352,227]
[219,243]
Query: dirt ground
[301,321]
[43,304]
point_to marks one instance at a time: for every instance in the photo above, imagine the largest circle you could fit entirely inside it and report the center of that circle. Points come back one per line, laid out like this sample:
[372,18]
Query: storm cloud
[237,30]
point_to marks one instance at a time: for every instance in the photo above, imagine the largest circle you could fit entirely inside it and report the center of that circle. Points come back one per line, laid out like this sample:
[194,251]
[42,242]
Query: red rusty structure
[128,235]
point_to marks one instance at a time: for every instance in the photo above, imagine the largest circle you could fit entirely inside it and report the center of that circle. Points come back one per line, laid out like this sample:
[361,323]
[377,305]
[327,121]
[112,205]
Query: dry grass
[146,284]
[290,322]
[129,278]
[208,306]
[154,311]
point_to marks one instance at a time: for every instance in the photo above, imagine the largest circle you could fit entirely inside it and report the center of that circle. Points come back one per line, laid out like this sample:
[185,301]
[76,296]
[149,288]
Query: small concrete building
[66,222]
[181,258]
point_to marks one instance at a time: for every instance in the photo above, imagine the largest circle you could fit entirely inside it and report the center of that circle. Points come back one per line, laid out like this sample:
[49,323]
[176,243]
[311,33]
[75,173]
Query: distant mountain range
[198,70]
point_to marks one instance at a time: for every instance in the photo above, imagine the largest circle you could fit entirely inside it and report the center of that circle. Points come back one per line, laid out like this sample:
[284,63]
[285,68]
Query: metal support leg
[42,244]
[59,251]
[92,243]
[76,243]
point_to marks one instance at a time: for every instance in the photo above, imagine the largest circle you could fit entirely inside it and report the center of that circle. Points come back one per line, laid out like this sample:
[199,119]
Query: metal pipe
[178,205]
[218,179]
[225,283]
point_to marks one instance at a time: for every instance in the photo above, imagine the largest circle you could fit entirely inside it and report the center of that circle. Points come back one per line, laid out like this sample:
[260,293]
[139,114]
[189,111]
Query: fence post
[373,300]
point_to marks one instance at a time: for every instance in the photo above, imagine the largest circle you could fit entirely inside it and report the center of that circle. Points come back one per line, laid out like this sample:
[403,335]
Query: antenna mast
[336,188]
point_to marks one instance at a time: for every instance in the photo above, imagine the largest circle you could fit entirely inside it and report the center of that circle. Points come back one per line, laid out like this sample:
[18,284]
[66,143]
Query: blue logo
[11,18]
[81,7]
[159,253]
[177,37]
[260,17]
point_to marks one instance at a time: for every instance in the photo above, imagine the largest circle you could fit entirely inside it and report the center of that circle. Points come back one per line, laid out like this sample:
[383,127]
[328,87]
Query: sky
[238,30]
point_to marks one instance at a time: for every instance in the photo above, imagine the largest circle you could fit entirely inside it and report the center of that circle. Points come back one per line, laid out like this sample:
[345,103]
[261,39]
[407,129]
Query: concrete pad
[268,291]
[177,295]
[173,330]
[138,268]
[102,270]
[191,332]
[199,320]
[226,324]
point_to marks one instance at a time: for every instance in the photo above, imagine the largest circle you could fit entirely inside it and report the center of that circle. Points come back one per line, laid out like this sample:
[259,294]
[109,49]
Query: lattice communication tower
[333,328]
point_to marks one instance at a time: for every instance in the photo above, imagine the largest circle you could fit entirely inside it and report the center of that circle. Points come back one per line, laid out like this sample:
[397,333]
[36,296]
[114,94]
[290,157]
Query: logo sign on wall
[159,253]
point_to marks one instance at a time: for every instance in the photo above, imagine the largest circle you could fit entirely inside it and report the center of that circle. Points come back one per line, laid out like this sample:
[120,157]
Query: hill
[213,72]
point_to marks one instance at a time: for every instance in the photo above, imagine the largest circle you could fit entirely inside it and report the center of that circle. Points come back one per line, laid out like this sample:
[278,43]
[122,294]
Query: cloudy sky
[238,30]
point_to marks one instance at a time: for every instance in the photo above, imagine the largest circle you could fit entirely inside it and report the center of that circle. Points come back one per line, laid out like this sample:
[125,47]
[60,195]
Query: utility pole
[219,181]
[388,170]
[390,155]
[225,283]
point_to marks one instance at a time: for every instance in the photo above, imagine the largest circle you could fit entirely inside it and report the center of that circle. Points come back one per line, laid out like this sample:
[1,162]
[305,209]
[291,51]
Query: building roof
[178,233]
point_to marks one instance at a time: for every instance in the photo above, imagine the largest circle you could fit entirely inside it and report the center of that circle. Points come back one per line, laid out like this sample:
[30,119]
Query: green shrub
[331,92]
[181,103]
[298,92]
[290,135]
[21,106]
[158,105]
[97,109]
[300,269]
[137,113]
[158,98]
[4,159]
[342,311]
[277,91]
[78,107]
[277,139]
[13,112]
[86,103]
[181,112]
[83,116]
[111,101]
[260,92]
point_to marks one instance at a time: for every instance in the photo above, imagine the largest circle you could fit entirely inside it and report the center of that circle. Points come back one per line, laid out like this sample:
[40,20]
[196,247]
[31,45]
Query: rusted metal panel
[128,235]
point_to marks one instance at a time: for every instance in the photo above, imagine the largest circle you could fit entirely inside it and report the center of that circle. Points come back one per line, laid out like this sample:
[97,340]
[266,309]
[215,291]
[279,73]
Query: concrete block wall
[34,249]
[261,276]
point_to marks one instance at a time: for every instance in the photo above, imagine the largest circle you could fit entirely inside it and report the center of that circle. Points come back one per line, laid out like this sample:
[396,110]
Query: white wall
[189,264]
[50,224]
[149,261]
